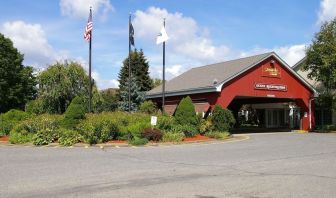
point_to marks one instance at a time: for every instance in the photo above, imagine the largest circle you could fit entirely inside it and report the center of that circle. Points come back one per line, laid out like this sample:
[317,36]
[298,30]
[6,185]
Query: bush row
[76,126]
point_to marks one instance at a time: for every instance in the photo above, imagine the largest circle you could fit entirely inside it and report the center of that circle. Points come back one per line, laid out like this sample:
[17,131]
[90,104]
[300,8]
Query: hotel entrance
[266,114]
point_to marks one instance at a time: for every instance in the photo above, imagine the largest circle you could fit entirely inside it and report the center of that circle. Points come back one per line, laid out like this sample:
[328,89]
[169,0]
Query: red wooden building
[282,98]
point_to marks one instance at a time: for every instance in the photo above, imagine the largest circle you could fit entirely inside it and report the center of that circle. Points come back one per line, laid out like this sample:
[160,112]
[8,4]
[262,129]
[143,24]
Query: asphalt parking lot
[265,165]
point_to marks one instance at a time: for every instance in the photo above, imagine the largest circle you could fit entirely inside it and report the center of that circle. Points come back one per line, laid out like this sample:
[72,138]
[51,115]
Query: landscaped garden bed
[76,126]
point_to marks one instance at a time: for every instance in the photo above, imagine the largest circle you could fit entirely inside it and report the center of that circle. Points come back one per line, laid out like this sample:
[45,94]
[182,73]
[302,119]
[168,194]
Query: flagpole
[163,70]
[129,64]
[90,78]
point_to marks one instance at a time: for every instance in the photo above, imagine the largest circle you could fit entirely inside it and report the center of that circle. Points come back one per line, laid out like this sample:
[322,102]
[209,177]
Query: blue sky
[201,32]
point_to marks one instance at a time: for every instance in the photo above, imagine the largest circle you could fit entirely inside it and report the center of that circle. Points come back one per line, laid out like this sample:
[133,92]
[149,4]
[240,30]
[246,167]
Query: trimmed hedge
[74,113]
[222,119]
[185,112]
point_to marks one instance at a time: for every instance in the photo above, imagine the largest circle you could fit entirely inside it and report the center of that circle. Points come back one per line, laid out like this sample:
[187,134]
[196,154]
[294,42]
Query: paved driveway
[266,165]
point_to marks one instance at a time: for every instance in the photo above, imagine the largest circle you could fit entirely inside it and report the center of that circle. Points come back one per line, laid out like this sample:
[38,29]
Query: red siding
[243,85]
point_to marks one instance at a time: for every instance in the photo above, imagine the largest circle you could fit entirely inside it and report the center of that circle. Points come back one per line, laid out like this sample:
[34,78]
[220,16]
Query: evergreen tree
[141,80]
[142,73]
[17,82]
[185,112]
[137,97]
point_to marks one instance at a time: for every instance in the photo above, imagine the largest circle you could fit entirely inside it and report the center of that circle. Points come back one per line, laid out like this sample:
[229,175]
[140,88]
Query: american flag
[88,28]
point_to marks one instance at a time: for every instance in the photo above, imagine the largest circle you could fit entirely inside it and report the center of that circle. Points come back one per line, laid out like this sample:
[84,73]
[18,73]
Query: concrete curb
[233,138]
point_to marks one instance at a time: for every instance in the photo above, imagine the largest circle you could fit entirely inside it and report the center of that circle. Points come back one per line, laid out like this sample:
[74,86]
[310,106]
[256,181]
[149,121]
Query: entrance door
[272,118]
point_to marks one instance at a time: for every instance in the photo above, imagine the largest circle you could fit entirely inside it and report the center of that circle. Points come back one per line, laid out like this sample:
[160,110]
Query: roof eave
[183,92]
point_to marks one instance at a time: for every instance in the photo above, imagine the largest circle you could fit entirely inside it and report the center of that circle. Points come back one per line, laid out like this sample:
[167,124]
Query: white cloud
[191,45]
[103,83]
[291,53]
[80,8]
[31,40]
[327,11]
[187,38]
[174,70]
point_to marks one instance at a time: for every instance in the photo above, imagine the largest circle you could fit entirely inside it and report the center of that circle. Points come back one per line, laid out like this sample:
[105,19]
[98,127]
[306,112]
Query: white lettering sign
[272,87]
[153,120]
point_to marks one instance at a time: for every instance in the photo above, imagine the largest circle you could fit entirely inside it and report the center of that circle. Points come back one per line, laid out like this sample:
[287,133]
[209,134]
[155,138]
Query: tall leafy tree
[60,83]
[110,99]
[140,74]
[321,58]
[17,82]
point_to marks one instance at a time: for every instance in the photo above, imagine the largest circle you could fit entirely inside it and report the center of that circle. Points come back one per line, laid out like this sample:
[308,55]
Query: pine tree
[142,73]
[137,97]
[140,76]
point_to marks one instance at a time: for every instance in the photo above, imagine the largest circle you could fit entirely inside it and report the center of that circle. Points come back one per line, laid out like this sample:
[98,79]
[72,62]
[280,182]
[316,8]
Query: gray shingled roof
[203,77]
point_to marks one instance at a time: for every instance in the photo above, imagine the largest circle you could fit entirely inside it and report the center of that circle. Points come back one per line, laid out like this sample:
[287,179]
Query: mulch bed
[4,138]
[196,138]
[117,142]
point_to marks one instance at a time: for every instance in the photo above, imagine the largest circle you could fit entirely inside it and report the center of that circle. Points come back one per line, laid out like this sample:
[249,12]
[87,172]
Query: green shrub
[166,122]
[188,130]
[205,126]
[185,112]
[173,137]
[148,107]
[125,126]
[44,137]
[327,128]
[69,137]
[34,107]
[20,138]
[222,119]
[26,129]
[137,141]
[74,113]
[98,129]
[152,134]
[135,129]
[218,135]
[9,119]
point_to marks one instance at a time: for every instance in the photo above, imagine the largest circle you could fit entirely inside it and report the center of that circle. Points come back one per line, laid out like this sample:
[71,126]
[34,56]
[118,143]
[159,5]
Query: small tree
[222,119]
[74,113]
[185,113]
